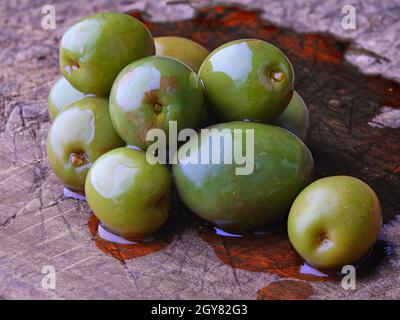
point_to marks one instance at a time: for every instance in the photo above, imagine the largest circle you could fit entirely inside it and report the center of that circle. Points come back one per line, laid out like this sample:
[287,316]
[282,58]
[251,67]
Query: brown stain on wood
[124,252]
[286,290]
[271,253]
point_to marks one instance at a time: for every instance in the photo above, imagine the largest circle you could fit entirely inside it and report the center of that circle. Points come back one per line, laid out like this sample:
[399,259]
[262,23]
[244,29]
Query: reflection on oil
[116,238]
[308,270]
[68,193]
[224,233]
[112,237]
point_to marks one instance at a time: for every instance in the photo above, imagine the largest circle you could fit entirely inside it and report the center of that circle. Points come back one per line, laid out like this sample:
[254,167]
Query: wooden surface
[354,130]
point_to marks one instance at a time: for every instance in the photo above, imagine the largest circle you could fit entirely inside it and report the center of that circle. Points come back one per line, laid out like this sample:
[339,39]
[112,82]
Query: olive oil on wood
[124,251]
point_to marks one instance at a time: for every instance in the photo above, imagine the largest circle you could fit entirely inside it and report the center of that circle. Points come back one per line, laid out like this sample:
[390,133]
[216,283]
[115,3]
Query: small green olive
[130,197]
[80,133]
[334,221]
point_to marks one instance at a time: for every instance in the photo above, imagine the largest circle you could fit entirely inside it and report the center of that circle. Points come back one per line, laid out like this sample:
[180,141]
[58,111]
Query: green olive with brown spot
[80,133]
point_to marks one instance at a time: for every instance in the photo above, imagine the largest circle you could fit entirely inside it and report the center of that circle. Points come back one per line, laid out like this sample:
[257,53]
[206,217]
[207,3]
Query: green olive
[334,221]
[151,92]
[80,133]
[295,117]
[95,49]
[130,197]
[219,193]
[247,79]
[189,52]
[61,95]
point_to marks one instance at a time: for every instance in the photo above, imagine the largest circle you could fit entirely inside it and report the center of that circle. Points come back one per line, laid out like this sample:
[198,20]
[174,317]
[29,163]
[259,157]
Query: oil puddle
[271,252]
[123,249]
[301,290]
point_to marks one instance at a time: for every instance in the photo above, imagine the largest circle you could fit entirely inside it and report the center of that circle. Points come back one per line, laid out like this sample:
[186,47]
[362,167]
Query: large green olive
[247,79]
[295,117]
[151,92]
[80,133]
[61,95]
[189,52]
[334,221]
[130,196]
[94,50]
[283,166]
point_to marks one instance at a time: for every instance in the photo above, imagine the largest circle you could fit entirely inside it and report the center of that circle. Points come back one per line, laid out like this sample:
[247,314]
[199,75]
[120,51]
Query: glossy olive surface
[94,50]
[80,133]
[149,93]
[247,79]
[295,117]
[61,95]
[334,221]
[283,166]
[130,196]
[189,52]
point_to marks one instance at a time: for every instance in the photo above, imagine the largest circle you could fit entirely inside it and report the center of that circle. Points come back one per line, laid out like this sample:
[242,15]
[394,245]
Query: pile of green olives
[234,127]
